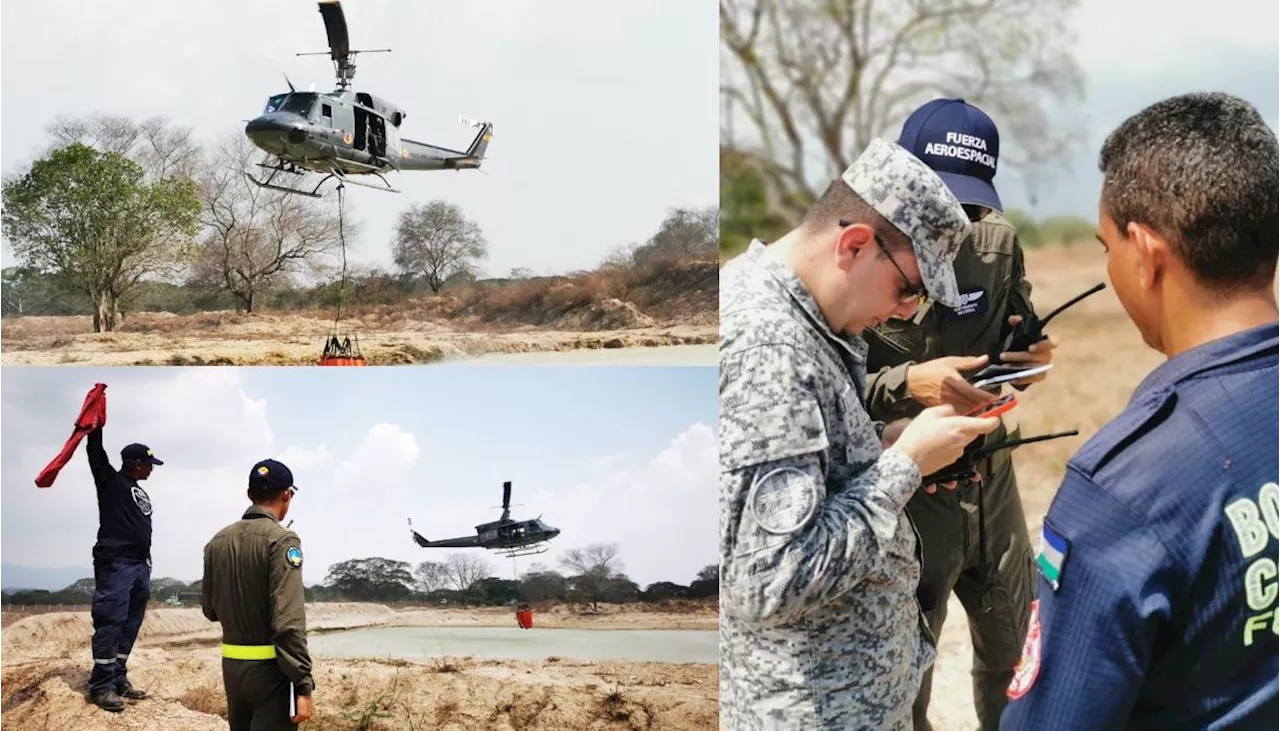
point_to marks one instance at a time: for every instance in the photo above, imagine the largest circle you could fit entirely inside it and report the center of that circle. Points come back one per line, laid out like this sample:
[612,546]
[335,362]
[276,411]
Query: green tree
[437,243]
[91,219]
[745,210]
[371,579]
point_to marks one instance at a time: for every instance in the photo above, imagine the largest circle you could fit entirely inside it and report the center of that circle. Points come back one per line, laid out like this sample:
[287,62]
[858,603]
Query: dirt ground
[673,304]
[44,673]
[268,339]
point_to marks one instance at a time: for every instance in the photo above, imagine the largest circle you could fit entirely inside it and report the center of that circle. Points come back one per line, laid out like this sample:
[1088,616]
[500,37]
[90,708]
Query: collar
[1224,351]
[785,277]
[257,511]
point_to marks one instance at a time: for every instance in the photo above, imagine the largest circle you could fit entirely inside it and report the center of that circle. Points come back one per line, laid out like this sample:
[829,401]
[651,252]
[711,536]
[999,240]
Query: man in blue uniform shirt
[1156,604]
[121,567]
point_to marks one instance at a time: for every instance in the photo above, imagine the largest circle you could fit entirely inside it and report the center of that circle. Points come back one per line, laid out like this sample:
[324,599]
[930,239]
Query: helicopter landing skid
[532,549]
[281,168]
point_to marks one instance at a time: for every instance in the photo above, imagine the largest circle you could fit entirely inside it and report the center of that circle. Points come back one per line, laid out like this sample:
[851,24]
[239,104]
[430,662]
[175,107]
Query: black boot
[128,692]
[108,700]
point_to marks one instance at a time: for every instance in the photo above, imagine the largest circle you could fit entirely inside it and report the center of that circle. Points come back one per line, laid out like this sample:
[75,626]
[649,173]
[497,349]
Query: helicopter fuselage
[354,132]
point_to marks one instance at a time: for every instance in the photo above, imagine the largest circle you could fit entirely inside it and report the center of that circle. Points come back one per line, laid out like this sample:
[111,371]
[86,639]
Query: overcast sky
[624,455]
[1137,52]
[605,114]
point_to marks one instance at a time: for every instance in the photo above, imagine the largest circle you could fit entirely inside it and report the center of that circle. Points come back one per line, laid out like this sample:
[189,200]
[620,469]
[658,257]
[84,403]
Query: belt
[249,652]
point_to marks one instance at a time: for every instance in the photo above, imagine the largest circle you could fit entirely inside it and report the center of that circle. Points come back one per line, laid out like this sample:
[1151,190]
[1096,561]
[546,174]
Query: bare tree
[593,568]
[437,242]
[161,149]
[465,569]
[430,576]
[815,82]
[255,238]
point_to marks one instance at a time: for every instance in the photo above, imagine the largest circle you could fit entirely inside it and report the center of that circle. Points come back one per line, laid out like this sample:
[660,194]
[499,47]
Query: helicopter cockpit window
[299,104]
[273,104]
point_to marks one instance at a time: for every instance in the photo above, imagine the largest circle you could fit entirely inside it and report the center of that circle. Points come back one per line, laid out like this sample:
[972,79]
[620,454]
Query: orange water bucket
[525,618]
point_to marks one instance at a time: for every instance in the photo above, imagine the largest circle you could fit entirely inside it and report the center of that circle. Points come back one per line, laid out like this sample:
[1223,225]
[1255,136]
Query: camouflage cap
[911,196]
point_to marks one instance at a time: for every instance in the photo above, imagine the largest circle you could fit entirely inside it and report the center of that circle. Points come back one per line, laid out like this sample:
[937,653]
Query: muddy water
[664,355]
[513,643]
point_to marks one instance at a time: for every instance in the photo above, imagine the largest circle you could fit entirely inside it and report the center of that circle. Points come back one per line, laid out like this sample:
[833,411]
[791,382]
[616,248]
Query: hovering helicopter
[509,537]
[345,133]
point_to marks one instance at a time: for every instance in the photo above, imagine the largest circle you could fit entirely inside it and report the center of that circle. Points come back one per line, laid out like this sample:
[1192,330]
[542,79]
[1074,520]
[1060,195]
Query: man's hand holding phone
[937,437]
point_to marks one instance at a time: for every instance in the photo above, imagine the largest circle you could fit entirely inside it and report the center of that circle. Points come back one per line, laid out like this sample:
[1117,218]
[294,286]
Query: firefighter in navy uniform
[1156,605]
[253,586]
[121,567]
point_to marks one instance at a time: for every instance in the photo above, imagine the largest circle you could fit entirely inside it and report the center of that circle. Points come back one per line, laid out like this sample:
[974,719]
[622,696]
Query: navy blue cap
[138,453]
[962,145]
[273,473]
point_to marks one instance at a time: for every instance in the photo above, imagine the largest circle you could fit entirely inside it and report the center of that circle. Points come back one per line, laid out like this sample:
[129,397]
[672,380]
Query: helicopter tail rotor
[481,143]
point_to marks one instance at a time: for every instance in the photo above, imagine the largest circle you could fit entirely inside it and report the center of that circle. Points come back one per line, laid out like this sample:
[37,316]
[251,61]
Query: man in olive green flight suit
[974,538]
[253,586]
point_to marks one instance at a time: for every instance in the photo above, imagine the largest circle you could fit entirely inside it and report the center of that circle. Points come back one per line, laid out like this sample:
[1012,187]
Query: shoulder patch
[294,557]
[1135,418]
[1052,557]
[783,500]
[1028,668]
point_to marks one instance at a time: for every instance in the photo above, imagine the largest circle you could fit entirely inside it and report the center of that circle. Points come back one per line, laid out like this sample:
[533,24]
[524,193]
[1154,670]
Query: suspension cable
[342,241]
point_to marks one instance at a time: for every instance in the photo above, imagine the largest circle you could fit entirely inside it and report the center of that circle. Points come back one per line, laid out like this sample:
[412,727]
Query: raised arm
[99,464]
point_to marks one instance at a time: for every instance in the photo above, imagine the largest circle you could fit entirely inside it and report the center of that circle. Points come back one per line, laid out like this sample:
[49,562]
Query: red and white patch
[1029,666]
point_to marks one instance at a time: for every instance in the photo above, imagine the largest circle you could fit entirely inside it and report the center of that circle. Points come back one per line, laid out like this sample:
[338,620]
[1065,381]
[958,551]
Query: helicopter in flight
[347,133]
[509,537]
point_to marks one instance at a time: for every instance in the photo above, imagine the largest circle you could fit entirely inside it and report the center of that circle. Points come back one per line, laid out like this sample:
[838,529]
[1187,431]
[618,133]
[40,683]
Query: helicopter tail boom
[421,156]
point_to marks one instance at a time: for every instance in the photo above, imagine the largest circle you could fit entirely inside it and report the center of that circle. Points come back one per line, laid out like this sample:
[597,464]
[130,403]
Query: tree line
[117,215]
[590,576]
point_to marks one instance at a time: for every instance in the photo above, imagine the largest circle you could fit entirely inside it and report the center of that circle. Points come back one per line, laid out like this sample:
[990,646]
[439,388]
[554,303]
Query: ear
[1150,252]
[853,238]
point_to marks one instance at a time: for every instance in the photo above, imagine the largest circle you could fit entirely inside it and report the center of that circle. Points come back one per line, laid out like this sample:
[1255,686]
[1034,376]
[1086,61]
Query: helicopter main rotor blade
[506,496]
[335,26]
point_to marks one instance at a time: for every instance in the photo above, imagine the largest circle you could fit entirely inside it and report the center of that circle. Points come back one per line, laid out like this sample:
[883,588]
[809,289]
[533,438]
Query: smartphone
[1010,374]
[994,408]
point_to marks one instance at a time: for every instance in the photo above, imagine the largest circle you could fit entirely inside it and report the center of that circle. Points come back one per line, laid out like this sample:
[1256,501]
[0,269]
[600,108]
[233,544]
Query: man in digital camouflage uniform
[819,625]
[975,538]
[253,586]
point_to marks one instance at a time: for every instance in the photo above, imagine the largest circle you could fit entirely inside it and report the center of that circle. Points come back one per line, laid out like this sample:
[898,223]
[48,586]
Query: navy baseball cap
[138,453]
[962,145]
[273,473]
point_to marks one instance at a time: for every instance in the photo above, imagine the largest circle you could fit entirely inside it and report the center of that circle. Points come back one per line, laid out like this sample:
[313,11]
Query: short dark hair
[262,491]
[840,203]
[1201,170]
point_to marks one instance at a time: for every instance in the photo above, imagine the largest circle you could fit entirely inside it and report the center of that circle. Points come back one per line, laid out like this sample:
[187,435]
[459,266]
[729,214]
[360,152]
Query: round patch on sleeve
[1024,675]
[783,501]
[294,557]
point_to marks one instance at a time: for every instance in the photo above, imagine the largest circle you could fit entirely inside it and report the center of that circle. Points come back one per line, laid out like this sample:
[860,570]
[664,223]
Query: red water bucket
[525,618]
[342,361]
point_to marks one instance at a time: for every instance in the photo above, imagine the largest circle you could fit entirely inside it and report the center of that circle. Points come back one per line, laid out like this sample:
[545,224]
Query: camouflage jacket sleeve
[288,612]
[206,586]
[887,395]
[793,534]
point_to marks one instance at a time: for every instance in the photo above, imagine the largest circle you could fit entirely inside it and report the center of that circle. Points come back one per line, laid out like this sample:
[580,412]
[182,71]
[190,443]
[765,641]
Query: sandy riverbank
[177,662]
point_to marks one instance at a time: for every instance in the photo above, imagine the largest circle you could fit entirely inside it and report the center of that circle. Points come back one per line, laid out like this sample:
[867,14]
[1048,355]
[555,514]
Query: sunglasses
[908,292]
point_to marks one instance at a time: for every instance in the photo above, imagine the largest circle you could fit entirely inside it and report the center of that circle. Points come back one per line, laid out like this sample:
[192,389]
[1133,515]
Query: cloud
[385,457]
[201,422]
[663,512]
